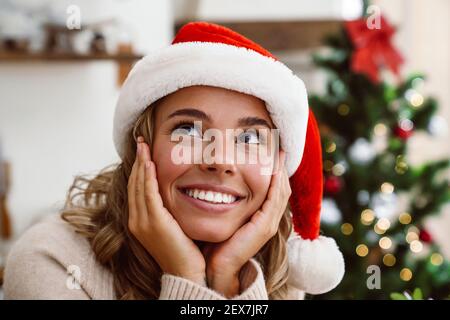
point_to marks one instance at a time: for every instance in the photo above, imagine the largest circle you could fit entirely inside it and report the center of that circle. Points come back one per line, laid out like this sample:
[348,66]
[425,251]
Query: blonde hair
[97,208]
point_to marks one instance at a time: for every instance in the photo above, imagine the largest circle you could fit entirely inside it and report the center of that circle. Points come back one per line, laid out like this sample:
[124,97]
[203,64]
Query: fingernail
[140,139]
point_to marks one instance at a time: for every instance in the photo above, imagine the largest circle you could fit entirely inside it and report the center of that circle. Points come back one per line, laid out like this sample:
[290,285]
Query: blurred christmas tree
[375,202]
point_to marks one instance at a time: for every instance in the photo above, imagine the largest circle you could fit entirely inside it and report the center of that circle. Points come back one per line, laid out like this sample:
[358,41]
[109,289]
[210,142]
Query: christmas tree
[375,201]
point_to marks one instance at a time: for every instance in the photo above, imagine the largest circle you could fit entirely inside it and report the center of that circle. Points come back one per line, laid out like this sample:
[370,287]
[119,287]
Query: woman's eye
[187,129]
[250,137]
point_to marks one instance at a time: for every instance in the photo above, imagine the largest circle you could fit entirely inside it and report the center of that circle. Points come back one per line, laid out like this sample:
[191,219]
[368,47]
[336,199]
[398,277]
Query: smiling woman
[221,109]
[210,228]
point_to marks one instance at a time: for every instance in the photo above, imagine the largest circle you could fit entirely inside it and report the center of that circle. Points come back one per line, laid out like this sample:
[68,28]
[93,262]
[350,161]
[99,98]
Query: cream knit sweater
[52,261]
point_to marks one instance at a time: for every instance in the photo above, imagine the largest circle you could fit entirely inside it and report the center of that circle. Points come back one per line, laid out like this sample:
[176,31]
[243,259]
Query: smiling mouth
[211,197]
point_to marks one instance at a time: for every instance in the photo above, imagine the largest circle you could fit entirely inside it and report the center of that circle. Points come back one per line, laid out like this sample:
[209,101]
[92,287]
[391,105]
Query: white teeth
[211,196]
[218,197]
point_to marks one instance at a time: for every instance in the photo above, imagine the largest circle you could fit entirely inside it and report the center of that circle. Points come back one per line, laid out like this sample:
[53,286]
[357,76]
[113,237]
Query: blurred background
[382,99]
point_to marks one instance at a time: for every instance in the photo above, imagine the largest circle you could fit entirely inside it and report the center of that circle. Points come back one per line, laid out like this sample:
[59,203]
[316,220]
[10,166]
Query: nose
[220,168]
[219,160]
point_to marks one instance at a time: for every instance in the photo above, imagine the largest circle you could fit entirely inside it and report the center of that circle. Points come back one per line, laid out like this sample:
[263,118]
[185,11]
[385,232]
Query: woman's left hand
[224,260]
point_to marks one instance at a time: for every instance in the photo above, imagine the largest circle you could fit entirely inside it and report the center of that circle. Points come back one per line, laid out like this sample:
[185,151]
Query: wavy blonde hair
[97,207]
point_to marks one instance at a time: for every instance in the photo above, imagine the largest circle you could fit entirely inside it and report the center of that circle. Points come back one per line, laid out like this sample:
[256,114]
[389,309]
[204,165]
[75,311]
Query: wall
[56,118]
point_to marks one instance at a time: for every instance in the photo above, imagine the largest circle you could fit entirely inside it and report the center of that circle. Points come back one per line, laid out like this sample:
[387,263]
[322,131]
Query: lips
[211,198]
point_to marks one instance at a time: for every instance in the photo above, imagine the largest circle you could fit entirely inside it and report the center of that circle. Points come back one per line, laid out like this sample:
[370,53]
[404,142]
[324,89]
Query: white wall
[56,118]
[260,10]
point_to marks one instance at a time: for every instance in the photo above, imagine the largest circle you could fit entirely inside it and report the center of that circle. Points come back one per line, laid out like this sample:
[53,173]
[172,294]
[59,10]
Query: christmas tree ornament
[384,204]
[361,152]
[373,48]
[404,129]
[332,185]
[330,212]
[425,236]
[363,197]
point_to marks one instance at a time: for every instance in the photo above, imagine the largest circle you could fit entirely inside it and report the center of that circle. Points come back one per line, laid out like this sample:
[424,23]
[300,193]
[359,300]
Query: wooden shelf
[124,61]
[281,35]
[24,57]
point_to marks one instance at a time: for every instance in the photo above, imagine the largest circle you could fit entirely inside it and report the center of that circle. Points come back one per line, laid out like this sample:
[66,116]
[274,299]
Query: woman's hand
[154,226]
[225,260]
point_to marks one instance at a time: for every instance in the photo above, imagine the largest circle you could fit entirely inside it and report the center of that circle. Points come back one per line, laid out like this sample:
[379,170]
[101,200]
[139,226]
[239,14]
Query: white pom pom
[315,266]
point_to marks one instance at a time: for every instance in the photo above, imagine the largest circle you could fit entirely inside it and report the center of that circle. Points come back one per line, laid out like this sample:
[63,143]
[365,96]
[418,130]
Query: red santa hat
[208,54]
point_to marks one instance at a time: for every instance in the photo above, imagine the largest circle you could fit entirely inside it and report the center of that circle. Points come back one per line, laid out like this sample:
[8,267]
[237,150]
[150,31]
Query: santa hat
[208,54]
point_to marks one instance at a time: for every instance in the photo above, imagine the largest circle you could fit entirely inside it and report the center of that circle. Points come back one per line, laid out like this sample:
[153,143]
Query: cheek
[167,172]
[258,184]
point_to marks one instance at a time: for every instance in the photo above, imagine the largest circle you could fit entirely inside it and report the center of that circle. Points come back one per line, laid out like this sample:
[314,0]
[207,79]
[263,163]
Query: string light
[385,243]
[389,260]
[380,129]
[367,217]
[436,259]
[387,187]
[331,147]
[406,124]
[405,274]
[416,100]
[378,230]
[411,236]
[416,246]
[405,218]
[383,224]
[400,164]
[413,229]
[362,250]
[347,229]
[338,169]
[343,109]
[414,97]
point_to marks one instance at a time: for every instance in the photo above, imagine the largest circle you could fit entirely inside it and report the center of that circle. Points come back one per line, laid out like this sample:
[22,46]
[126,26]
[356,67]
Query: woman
[173,221]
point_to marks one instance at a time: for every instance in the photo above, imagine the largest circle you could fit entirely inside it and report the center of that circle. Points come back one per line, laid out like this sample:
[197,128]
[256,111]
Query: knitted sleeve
[251,282]
[32,272]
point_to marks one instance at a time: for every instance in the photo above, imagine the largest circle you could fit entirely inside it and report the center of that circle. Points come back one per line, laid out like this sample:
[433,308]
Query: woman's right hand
[154,226]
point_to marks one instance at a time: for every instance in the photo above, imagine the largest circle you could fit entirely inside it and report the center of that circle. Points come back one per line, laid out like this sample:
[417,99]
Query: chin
[213,234]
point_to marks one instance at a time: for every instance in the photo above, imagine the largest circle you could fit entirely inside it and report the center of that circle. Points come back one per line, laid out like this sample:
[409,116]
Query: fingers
[276,177]
[153,199]
[274,207]
[140,184]
[132,208]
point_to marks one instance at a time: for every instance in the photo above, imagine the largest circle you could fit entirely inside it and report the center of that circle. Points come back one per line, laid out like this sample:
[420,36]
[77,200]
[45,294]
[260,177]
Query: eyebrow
[195,113]
[253,121]
[191,113]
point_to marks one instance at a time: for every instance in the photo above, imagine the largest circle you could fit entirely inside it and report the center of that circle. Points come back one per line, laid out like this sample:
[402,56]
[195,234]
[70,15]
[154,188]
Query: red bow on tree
[373,48]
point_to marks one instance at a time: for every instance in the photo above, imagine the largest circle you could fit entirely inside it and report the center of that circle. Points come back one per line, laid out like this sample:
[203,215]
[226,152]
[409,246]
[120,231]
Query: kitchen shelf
[124,60]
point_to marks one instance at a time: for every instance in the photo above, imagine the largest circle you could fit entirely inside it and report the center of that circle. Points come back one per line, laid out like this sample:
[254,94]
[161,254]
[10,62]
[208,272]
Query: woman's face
[214,193]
